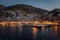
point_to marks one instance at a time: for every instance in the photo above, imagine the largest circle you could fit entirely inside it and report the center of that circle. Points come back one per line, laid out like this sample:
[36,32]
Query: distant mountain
[26,8]
[2,7]
[56,13]
[24,12]
[28,12]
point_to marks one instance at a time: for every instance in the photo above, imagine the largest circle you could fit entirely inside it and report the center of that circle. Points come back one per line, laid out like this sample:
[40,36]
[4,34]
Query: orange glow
[56,28]
[34,23]
[43,28]
[35,31]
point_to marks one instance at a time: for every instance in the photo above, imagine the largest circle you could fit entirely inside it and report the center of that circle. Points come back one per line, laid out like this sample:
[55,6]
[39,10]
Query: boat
[47,25]
[26,25]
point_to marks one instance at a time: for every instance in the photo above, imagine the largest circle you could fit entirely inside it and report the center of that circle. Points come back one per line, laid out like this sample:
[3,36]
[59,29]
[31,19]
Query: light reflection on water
[29,33]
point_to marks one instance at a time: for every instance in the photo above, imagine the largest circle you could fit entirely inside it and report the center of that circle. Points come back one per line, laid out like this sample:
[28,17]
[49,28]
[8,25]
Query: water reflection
[35,32]
[29,33]
[56,32]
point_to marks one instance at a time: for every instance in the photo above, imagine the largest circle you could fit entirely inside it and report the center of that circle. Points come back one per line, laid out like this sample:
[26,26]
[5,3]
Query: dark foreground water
[29,33]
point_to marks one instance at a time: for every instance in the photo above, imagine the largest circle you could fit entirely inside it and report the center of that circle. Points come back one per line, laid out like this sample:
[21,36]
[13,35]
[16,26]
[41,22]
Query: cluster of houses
[19,15]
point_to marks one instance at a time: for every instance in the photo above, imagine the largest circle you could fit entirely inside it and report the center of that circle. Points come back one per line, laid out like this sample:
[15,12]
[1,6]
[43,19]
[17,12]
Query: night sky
[44,4]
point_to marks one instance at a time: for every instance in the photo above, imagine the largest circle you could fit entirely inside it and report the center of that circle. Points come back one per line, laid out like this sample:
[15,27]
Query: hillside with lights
[24,12]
